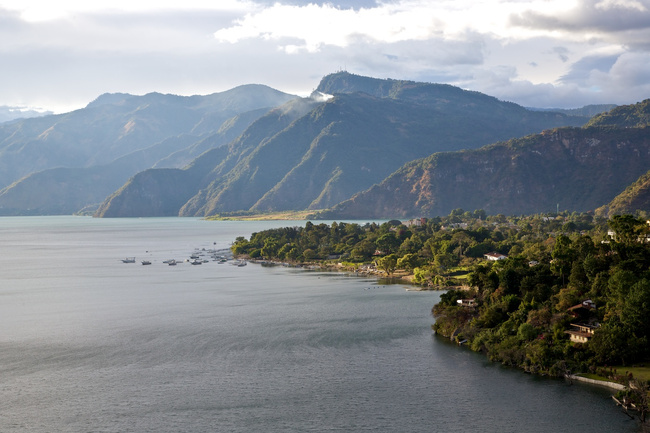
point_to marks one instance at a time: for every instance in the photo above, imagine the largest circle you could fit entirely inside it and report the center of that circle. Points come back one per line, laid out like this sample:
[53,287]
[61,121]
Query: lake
[91,344]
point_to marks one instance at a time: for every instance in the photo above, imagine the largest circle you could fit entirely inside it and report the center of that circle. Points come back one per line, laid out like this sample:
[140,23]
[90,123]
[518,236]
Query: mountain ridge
[577,169]
[353,140]
[112,129]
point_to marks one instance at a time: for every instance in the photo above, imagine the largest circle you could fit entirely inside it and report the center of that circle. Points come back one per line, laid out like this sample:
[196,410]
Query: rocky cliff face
[578,169]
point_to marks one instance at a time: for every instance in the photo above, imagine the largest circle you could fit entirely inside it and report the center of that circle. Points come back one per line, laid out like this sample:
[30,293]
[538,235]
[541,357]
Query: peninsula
[555,294]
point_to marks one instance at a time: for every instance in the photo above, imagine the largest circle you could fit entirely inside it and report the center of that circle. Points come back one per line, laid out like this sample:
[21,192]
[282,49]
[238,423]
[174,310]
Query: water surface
[90,344]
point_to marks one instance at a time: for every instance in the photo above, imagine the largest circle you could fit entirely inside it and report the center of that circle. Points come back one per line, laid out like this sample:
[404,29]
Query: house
[452,226]
[583,309]
[495,256]
[417,222]
[581,333]
[468,303]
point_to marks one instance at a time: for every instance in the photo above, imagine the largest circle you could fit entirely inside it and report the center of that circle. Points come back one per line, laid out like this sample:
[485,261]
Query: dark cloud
[583,69]
[342,4]
[588,16]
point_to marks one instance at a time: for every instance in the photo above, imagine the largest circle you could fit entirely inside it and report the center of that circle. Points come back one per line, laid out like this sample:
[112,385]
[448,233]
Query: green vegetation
[516,310]
[262,216]
[634,198]
[627,116]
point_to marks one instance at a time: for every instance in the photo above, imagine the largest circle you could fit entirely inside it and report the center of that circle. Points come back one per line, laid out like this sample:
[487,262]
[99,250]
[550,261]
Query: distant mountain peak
[109,99]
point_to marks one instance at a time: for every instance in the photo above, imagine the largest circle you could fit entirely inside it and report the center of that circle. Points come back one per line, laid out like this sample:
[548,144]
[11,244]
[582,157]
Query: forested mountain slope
[148,128]
[365,131]
[577,169]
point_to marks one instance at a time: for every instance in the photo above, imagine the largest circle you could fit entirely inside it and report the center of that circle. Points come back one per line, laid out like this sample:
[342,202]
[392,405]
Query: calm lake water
[90,344]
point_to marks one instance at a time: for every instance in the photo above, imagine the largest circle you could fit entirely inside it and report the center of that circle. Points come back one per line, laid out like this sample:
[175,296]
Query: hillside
[636,197]
[149,193]
[624,116]
[577,169]
[115,126]
[334,149]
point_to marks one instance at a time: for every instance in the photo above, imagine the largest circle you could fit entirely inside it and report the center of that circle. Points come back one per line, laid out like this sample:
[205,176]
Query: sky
[59,55]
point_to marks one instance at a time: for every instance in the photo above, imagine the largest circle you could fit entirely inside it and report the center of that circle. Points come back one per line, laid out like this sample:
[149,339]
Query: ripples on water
[89,344]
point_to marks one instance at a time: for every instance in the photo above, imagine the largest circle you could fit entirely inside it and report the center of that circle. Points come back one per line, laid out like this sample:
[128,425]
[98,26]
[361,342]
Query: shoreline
[368,270]
[400,278]
[602,383]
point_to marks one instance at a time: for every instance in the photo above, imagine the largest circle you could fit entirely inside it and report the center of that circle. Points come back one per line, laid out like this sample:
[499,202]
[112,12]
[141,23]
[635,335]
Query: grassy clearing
[594,376]
[640,372]
[263,216]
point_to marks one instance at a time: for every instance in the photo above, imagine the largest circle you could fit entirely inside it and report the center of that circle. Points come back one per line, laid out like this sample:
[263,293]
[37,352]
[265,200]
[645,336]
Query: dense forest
[551,294]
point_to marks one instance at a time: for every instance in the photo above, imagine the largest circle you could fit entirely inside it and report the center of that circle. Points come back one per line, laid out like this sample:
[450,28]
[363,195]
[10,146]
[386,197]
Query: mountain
[150,193]
[332,148]
[586,111]
[94,150]
[636,197]
[625,116]
[12,113]
[578,169]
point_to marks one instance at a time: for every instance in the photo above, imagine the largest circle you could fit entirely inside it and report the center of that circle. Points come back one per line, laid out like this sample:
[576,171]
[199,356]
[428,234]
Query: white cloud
[48,10]
[568,51]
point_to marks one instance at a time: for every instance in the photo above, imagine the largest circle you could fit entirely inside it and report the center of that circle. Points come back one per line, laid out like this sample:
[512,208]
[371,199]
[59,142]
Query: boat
[171,262]
[196,262]
[128,260]
[146,262]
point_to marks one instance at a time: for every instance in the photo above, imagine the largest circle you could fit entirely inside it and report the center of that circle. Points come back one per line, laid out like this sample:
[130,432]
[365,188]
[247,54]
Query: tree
[408,262]
[363,250]
[480,214]
[562,256]
[627,228]
[412,244]
[387,243]
[270,248]
[444,261]
[387,263]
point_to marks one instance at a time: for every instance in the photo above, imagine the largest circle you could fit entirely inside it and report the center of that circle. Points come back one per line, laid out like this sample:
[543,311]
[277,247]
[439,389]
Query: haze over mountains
[329,150]
[61,163]
[254,148]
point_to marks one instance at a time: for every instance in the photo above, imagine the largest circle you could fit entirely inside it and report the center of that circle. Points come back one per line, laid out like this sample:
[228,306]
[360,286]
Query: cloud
[562,53]
[45,10]
[582,70]
[313,26]
[546,51]
[616,21]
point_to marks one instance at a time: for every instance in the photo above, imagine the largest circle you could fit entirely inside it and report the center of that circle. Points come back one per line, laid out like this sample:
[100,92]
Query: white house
[495,256]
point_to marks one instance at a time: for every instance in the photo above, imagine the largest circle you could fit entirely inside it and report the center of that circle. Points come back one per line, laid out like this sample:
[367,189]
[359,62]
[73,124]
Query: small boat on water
[196,262]
[171,262]
[128,260]
[146,262]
